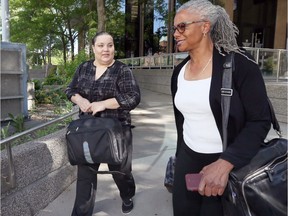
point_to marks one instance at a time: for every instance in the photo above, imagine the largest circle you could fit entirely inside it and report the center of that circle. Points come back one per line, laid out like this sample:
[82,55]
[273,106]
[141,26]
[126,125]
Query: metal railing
[9,180]
[272,62]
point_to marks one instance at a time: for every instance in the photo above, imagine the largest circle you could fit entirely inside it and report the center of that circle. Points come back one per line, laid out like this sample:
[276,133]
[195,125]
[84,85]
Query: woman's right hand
[83,103]
[215,178]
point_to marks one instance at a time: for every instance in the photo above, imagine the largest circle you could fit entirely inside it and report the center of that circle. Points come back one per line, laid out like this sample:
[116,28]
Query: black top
[249,117]
[116,82]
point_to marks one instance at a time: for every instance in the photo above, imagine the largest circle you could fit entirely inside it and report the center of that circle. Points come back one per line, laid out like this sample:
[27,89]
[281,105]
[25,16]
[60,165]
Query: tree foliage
[52,25]
[56,26]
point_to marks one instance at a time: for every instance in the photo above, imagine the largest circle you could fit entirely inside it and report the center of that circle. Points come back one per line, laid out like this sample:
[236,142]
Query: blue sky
[157,23]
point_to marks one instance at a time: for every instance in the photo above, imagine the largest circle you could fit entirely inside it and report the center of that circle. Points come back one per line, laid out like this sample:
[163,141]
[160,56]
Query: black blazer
[249,117]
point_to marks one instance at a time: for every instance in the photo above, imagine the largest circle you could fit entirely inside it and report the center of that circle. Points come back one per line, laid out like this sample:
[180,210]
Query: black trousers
[187,203]
[87,181]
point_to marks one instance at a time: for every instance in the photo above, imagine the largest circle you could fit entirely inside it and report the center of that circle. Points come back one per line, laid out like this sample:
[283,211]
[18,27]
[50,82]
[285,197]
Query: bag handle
[226,94]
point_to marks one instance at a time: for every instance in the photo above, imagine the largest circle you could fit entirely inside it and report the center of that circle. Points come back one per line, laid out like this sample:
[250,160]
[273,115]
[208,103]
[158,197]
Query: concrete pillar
[30,95]
[280,36]
[229,5]
[171,10]
[5,20]
[13,80]
[141,28]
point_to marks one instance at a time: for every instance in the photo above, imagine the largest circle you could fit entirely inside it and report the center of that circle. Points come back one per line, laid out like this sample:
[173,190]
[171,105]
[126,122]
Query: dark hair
[99,34]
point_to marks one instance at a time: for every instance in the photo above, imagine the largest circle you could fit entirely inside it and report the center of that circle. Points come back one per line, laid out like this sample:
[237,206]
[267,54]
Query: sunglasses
[181,27]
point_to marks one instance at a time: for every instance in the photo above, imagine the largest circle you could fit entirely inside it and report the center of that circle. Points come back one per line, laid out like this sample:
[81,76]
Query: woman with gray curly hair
[205,31]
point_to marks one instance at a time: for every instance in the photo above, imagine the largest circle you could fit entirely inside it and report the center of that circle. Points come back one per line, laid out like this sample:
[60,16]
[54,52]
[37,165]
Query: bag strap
[226,94]
[106,172]
[274,120]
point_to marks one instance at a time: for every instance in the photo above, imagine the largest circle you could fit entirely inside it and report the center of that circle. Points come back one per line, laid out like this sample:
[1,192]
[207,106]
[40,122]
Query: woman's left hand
[215,178]
[97,107]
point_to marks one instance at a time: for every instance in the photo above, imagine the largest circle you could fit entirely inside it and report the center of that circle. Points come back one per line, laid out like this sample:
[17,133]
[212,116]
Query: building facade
[262,23]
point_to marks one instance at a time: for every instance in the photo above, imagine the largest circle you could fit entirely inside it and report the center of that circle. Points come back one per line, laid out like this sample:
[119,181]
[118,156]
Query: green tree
[42,25]
[49,25]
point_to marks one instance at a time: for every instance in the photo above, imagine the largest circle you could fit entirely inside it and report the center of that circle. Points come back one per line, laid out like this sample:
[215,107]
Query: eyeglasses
[181,27]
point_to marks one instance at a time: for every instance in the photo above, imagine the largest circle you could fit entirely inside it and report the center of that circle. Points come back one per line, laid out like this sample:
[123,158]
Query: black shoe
[127,206]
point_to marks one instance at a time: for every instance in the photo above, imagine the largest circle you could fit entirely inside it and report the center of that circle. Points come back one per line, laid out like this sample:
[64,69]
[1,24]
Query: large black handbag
[259,188]
[94,140]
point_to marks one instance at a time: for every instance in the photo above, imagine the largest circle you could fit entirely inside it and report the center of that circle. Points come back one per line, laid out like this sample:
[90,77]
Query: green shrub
[269,65]
[51,96]
[67,71]
[37,84]
[5,131]
[54,79]
[17,122]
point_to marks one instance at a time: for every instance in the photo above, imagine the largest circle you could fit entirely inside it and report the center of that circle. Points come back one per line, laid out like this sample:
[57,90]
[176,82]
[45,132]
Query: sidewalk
[154,142]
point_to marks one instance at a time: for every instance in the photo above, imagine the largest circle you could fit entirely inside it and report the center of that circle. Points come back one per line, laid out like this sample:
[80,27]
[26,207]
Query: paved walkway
[154,141]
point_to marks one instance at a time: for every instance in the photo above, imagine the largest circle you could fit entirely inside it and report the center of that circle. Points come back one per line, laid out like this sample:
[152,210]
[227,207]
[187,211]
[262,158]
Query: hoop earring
[204,34]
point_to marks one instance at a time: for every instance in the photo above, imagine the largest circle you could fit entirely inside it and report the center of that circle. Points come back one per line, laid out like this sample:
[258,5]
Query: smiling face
[189,32]
[104,49]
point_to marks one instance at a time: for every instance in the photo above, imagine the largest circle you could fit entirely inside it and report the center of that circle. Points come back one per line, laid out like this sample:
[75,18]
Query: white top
[200,132]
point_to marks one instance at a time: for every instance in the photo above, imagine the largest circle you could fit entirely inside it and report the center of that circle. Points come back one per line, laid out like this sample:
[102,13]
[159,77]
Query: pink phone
[193,181]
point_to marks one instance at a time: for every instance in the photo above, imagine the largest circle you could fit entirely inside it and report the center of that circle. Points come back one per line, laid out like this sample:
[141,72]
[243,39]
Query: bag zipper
[267,169]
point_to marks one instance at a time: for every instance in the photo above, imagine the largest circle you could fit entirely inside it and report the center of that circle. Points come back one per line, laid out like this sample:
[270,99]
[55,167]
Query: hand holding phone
[193,181]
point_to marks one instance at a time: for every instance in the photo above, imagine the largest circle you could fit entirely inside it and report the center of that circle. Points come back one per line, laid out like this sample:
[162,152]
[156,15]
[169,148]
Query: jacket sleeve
[128,95]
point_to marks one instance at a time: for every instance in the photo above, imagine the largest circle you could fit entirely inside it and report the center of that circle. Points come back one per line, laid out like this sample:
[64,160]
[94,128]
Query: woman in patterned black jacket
[104,87]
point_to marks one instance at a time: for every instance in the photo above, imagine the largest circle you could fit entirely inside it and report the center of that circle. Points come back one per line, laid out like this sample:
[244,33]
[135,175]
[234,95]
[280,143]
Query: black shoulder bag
[259,188]
[94,140]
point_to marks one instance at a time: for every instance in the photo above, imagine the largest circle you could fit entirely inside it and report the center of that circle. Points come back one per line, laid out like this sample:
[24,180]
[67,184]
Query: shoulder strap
[274,120]
[226,94]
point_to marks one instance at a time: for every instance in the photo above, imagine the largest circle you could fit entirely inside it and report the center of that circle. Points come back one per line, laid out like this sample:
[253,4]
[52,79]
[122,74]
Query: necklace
[204,68]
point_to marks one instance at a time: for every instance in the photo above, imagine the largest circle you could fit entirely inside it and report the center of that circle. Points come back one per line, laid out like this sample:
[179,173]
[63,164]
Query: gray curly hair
[223,31]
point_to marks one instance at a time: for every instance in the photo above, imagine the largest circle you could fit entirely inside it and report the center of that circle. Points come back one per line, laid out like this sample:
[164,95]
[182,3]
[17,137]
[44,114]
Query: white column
[5,20]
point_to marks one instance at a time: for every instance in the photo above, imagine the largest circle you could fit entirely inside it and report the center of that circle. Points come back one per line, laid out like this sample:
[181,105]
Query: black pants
[187,203]
[87,181]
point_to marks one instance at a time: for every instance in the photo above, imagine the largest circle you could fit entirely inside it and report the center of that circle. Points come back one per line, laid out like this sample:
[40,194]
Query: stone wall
[158,80]
[42,173]
[277,92]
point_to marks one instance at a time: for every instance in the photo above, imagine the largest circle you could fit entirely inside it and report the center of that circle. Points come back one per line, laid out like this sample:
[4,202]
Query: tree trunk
[64,48]
[71,40]
[101,15]
[81,40]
